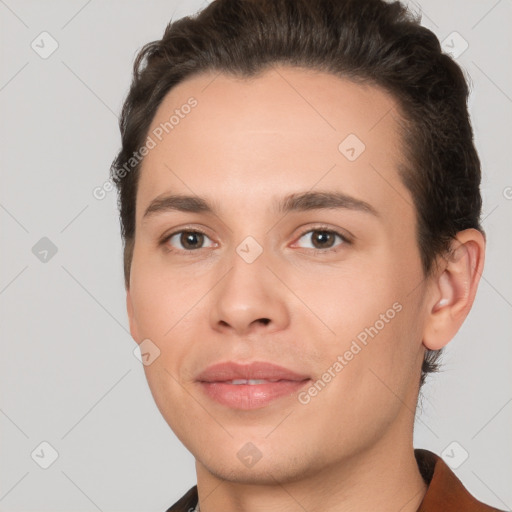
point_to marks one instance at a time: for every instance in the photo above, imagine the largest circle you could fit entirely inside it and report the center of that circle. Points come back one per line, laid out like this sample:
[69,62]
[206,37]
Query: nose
[249,299]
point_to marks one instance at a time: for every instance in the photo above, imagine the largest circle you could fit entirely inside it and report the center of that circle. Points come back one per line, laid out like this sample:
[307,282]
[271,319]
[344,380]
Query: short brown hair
[371,41]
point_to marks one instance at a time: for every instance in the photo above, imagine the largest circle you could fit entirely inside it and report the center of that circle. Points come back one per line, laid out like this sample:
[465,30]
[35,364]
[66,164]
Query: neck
[384,477]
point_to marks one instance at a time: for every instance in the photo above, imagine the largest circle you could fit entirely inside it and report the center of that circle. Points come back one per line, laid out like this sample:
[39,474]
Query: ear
[453,288]
[134,331]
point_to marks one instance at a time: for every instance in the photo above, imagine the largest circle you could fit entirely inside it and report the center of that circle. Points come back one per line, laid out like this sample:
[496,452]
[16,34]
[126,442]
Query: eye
[188,240]
[323,240]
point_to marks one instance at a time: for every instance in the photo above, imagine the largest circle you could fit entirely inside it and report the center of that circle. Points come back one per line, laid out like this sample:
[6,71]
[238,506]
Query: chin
[262,473]
[259,463]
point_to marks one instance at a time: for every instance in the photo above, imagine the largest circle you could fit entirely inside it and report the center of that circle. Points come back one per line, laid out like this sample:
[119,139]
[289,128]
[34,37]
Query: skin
[247,144]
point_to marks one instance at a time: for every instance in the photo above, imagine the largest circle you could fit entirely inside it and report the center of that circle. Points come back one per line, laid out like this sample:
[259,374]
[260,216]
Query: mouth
[249,386]
[251,382]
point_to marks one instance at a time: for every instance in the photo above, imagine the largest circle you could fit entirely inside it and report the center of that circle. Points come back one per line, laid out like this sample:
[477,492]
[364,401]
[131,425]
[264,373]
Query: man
[299,199]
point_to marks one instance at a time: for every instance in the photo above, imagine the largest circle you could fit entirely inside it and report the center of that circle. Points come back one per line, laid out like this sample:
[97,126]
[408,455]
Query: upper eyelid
[324,228]
[302,233]
[166,236]
[345,235]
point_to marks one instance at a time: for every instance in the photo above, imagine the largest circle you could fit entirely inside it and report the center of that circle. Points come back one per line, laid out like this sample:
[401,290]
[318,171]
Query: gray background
[68,373]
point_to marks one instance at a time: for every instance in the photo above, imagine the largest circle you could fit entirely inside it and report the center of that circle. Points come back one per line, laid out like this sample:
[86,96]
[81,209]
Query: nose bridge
[247,297]
[248,266]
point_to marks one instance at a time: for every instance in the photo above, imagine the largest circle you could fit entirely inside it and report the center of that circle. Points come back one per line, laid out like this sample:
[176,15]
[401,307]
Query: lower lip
[247,396]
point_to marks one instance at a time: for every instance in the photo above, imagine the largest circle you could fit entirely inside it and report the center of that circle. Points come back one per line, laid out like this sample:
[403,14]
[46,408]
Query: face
[296,247]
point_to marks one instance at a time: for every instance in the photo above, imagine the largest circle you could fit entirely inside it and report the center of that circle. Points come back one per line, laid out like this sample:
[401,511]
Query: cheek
[167,307]
[350,300]
[376,330]
[375,366]
[162,298]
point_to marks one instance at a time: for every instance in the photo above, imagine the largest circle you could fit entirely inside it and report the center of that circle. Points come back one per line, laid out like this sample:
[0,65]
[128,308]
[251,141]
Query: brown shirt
[445,491]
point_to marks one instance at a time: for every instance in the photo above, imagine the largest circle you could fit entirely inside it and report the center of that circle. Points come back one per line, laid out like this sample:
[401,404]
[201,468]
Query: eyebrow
[323,200]
[294,202]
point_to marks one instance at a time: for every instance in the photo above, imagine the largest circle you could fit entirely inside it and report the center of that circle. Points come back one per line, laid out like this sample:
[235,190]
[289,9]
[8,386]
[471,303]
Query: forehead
[284,129]
[273,102]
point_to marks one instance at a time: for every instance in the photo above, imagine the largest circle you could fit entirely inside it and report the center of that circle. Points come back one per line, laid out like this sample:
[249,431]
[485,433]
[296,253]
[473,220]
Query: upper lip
[231,370]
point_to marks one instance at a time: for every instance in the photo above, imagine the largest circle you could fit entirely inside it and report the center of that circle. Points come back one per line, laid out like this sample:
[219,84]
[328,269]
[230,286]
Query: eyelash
[166,239]
[324,229]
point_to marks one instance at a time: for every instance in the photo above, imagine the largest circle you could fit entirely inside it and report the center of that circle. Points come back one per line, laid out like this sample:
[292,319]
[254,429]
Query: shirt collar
[445,491]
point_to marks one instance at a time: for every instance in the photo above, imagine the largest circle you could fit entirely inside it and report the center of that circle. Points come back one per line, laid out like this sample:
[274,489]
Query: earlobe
[454,288]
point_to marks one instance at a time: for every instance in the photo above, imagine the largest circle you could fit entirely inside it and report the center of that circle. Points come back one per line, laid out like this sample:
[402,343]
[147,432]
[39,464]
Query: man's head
[280,120]
[367,42]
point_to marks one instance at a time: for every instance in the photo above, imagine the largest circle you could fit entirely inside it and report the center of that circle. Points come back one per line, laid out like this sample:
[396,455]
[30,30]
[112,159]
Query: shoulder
[187,503]
[445,491]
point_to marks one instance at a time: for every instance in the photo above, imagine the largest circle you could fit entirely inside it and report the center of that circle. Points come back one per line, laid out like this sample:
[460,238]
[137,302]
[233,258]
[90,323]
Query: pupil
[191,239]
[322,237]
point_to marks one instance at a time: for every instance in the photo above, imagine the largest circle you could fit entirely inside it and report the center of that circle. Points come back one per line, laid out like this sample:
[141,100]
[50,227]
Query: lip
[231,370]
[215,381]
